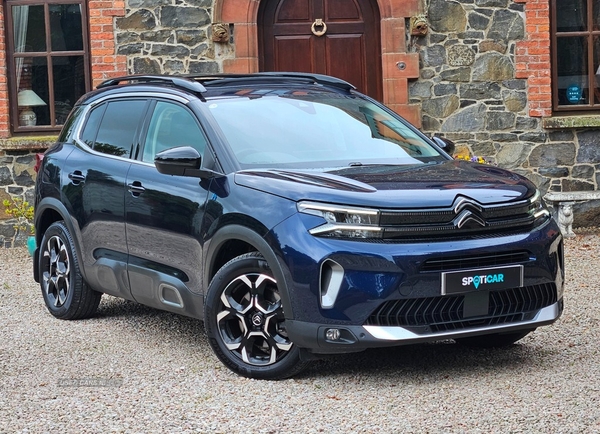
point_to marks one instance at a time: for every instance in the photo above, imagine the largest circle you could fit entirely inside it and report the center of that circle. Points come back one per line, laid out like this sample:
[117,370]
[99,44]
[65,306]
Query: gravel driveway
[133,369]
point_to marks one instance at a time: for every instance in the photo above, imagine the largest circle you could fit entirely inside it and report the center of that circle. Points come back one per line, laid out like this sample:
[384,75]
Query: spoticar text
[478,280]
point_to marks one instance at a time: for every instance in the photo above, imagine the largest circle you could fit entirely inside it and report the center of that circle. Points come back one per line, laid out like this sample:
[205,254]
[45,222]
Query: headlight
[538,208]
[343,221]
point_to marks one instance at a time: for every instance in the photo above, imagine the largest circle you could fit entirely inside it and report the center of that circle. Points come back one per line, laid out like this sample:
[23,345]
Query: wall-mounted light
[27,99]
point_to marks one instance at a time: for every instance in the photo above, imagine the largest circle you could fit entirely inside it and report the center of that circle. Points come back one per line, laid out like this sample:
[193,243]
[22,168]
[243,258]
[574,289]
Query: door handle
[136,188]
[318,23]
[76,177]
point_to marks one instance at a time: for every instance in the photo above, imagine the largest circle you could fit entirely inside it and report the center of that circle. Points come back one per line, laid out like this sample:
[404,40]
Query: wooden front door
[349,46]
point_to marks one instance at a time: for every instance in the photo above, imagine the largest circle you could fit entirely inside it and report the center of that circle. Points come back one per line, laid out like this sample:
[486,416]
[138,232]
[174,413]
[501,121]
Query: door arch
[334,37]
[397,65]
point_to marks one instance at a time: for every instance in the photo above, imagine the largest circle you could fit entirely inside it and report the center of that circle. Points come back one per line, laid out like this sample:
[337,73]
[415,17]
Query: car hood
[427,185]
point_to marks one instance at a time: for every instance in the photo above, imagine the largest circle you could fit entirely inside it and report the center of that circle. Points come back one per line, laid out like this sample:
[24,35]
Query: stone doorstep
[565,200]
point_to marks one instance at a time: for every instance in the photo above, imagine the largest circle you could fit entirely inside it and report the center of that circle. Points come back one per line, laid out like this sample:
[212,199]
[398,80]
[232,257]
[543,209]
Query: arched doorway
[335,37]
[397,65]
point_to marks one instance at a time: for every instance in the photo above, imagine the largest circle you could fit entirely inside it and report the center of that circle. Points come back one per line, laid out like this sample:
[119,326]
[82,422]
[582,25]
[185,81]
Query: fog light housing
[332,334]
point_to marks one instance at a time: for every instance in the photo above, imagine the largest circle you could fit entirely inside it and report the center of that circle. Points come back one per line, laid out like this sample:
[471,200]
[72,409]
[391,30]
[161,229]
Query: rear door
[164,214]
[95,191]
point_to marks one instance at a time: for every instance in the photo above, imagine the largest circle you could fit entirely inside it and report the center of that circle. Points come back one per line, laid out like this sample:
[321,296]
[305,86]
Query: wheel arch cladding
[244,238]
[48,211]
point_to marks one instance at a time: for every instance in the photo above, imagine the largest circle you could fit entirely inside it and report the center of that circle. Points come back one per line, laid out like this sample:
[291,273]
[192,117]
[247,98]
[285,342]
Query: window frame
[48,55]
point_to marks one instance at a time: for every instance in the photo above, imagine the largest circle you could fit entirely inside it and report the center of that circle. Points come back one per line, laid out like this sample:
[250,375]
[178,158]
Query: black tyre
[66,295]
[496,340]
[244,321]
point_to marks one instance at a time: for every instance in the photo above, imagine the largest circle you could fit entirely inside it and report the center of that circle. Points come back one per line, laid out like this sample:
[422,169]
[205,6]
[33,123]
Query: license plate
[482,279]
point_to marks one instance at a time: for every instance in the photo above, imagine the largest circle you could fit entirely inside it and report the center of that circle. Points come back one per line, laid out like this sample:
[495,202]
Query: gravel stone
[133,369]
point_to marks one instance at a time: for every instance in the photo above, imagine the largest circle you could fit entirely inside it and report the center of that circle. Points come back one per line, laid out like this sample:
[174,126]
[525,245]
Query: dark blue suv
[294,215]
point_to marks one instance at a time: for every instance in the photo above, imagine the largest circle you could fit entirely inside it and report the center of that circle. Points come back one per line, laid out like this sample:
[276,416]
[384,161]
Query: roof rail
[315,78]
[182,82]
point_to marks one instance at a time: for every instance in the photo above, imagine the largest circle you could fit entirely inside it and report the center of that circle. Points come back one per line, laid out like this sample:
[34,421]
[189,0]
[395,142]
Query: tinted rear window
[118,124]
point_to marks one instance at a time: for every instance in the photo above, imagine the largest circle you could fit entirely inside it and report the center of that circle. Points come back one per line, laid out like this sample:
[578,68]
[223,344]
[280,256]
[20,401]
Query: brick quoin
[4,107]
[105,62]
[533,57]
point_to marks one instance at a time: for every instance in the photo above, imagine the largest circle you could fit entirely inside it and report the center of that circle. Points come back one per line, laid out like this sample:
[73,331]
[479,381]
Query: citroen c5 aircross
[293,215]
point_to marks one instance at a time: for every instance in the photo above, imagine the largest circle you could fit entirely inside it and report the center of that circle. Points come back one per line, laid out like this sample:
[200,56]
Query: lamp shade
[28,98]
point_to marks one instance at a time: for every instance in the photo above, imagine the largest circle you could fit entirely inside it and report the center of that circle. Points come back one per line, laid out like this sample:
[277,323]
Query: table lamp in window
[28,99]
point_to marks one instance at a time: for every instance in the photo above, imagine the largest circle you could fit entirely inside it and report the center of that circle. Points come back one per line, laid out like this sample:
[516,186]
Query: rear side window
[116,124]
[69,126]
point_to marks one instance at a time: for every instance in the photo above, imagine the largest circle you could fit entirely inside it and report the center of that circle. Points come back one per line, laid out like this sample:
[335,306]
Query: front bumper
[314,337]
[390,294]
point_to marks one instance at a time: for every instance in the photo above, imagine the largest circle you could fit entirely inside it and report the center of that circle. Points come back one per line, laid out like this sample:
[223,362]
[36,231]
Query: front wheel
[496,340]
[245,323]
[66,294]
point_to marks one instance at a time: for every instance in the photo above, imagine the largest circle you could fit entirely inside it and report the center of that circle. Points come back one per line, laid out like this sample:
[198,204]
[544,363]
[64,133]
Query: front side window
[171,126]
[48,57]
[576,54]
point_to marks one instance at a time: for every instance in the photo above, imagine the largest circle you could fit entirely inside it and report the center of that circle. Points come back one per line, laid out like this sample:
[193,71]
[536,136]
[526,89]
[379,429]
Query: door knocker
[318,23]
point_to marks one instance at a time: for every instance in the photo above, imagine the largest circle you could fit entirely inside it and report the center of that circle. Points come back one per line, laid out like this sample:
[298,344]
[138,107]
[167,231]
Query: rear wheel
[65,293]
[496,340]
[245,322]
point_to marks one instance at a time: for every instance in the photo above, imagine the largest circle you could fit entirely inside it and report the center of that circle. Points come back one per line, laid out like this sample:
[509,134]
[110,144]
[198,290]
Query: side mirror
[178,161]
[446,144]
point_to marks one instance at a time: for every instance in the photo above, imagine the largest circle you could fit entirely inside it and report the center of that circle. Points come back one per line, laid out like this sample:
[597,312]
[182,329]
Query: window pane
[66,32]
[90,130]
[171,126]
[69,84]
[118,127]
[596,14]
[33,95]
[29,28]
[572,67]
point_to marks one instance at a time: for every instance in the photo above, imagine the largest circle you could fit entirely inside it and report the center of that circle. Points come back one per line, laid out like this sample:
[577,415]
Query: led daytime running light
[343,221]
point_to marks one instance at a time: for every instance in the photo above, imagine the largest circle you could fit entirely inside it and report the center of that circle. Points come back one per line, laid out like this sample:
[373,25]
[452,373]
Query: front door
[334,37]
[163,215]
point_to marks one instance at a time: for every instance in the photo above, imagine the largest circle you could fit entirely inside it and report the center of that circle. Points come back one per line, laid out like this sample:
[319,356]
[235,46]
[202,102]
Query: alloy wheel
[56,271]
[251,321]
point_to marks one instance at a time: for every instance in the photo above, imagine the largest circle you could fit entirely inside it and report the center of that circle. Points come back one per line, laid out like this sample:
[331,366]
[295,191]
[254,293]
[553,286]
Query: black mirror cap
[446,144]
[178,161]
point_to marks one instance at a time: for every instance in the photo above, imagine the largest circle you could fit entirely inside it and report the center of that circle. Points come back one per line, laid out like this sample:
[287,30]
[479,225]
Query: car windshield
[316,130]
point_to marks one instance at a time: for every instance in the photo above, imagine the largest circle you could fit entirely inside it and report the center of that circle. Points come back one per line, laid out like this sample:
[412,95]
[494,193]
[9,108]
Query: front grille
[439,314]
[475,261]
[465,218]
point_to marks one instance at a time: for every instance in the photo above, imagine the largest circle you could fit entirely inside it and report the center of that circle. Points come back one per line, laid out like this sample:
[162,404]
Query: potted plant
[23,213]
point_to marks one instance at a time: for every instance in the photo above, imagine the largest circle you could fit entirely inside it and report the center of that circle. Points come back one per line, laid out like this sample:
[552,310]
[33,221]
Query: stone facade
[162,37]
[471,91]
[17,179]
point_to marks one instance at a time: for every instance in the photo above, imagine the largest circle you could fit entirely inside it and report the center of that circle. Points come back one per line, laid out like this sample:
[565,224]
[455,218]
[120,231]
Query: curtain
[20,21]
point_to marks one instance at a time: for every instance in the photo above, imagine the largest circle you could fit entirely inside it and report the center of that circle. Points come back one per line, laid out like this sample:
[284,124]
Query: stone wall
[167,36]
[17,179]
[469,92]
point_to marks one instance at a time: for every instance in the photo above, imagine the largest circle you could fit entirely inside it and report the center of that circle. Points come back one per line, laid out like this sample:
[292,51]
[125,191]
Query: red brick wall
[4,120]
[105,62]
[533,57]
